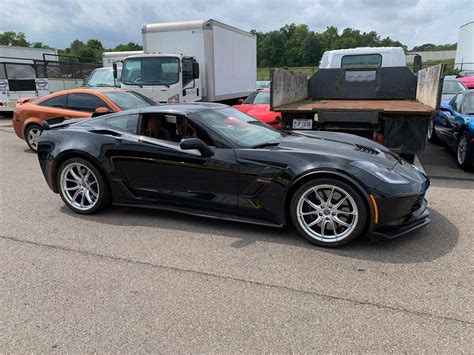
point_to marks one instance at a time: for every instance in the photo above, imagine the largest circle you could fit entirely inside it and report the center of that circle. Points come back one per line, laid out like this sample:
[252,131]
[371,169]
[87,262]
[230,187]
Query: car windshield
[452,87]
[242,130]
[259,97]
[263,85]
[150,71]
[102,78]
[127,100]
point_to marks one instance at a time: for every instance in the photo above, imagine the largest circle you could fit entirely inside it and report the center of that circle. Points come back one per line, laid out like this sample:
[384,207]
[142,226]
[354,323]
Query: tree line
[290,46]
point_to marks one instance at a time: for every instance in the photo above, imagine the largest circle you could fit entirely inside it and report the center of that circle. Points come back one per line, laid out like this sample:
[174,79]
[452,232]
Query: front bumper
[416,220]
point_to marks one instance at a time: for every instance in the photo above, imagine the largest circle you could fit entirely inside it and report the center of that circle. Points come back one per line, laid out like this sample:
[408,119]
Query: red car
[257,105]
[467,78]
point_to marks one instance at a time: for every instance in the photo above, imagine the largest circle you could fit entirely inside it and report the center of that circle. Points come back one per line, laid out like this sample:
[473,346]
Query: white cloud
[58,23]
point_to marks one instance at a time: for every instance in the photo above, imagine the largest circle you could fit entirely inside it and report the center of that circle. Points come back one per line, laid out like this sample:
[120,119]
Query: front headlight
[380,172]
[174,99]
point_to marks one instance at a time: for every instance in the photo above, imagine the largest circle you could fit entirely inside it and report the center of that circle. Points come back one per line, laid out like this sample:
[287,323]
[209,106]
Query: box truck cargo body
[227,57]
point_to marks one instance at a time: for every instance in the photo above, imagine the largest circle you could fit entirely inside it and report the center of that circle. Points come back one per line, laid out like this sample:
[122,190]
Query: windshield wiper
[267,144]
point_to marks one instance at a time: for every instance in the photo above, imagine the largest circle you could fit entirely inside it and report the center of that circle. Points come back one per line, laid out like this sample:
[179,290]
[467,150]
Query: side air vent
[365,149]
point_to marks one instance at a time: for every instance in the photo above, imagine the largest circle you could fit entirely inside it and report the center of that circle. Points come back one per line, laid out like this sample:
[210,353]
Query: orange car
[30,113]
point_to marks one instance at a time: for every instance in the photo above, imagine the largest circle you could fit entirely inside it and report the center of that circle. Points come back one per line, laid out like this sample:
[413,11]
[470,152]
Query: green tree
[11,38]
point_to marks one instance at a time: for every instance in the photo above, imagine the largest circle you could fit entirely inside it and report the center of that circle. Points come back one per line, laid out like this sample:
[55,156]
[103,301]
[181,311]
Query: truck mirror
[114,66]
[417,63]
[195,70]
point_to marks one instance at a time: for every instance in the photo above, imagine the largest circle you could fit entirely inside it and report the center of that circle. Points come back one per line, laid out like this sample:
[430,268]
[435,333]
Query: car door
[158,171]
[56,107]
[453,121]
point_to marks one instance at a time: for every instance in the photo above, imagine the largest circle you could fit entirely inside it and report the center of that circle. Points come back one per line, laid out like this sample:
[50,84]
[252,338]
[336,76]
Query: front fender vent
[365,149]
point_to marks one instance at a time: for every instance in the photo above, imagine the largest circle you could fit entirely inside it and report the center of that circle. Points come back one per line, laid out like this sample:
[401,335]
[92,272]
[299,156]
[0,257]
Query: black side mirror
[195,70]
[417,64]
[196,143]
[114,66]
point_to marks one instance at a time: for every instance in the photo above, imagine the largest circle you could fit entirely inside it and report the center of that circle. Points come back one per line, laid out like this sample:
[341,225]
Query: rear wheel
[82,186]
[32,135]
[328,212]
[463,153]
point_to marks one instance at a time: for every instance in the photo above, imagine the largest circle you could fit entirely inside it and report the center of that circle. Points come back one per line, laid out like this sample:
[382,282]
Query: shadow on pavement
[430,243]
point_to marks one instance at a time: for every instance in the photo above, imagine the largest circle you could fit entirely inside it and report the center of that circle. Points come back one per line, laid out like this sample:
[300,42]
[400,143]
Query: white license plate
[302,123]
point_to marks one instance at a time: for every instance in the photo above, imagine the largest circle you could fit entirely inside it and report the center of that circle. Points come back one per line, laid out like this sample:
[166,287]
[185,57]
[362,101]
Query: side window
[57,101]
[456,102]
[187,71]
[459,102]
[84,102]
[172,128]
[125,123]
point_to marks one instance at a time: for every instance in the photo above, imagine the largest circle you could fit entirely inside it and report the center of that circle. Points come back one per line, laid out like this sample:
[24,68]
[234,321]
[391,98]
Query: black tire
[30,134]
[302,223]
[80,167]
[431,135]
[464,160]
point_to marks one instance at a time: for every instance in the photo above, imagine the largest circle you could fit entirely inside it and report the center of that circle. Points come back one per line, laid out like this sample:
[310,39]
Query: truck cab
[165,78]
[364,57]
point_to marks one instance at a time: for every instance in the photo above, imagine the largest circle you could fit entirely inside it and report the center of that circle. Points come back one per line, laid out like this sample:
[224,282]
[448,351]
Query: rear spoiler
[59,122]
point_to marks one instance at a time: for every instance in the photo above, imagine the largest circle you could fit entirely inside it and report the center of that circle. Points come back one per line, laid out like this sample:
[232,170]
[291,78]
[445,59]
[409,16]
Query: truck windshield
[150,71]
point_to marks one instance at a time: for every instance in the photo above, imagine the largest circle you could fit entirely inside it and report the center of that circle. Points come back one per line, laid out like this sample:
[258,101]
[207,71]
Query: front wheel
[32,135]
[328,212]
[82,186]
[463,153]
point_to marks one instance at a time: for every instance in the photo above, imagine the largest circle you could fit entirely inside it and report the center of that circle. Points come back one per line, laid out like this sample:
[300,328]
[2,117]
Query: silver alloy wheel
[462,149]
[327,213]
[33,136]
[79,186]
[430,129]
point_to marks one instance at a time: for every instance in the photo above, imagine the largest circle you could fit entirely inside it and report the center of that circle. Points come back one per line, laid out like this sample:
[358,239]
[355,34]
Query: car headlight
[380,172]
[174,99]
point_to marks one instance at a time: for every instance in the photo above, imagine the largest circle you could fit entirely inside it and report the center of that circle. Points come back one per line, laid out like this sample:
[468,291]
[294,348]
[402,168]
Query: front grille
[365,149]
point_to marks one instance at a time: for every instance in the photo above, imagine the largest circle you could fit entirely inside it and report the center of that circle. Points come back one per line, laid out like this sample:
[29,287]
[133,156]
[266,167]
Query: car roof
[184,109]
[92,91]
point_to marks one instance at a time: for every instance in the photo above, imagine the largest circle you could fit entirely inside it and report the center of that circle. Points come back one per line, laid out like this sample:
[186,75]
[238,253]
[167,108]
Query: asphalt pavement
[135,280]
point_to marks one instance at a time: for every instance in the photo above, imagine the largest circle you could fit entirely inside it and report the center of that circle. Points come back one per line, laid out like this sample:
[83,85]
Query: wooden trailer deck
[385,106]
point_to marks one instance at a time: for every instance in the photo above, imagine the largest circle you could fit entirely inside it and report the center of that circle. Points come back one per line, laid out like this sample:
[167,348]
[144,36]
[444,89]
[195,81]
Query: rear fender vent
[365,149]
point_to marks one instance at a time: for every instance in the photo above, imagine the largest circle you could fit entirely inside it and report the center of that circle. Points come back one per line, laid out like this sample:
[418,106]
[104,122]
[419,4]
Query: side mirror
[241,101]
[114,66]
[417,63]
[195,70]
[196,143]
[99,111]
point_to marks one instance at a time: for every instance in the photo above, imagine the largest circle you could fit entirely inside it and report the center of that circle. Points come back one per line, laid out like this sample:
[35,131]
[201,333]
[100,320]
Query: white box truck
[191,61]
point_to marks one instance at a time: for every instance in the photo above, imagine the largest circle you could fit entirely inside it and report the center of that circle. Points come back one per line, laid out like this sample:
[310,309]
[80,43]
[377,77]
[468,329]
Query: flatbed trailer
[390,105]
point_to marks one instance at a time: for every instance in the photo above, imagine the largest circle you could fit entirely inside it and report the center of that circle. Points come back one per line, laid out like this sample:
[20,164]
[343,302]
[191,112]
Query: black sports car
[212,160]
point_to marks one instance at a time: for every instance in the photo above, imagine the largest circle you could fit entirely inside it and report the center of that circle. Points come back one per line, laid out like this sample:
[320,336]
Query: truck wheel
[463,153]
[328,212]
[32,135]
[431,135]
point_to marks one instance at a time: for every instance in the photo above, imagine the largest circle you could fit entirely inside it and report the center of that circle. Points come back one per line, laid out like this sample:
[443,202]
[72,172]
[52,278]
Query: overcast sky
[57,23]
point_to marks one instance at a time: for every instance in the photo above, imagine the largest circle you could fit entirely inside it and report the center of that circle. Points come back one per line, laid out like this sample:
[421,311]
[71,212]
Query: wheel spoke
[316,221]
[79,170]
[74,188]
[341,201]
[307,213]
[352,213]
[75,176]
[312,204]
[88,197]
[76,194]
[334,228]
[341,222]
[330,197]
[82,199]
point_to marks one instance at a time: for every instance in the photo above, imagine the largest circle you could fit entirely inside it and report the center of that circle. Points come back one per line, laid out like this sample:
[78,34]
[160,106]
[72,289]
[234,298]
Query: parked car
[450,88]
[453,125]
[103,77]
[30,113]
[212,160]
[264,84]
[257,105]
[467,78]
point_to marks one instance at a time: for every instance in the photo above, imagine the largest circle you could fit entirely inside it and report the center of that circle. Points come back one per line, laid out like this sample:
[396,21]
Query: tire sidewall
[466,164]
[27,132]
[356,196]
[104,191]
